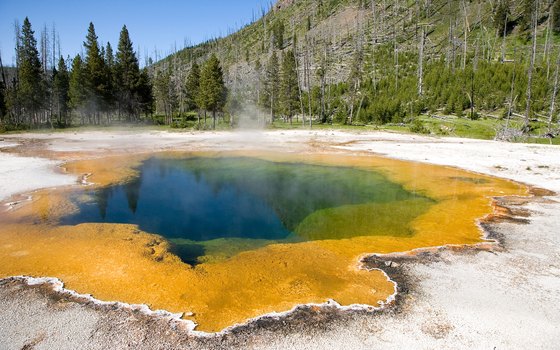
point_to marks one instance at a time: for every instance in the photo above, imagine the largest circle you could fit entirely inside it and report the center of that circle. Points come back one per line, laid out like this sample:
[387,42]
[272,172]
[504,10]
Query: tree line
[505,64]
[98,87]
[202,90]
[281,94]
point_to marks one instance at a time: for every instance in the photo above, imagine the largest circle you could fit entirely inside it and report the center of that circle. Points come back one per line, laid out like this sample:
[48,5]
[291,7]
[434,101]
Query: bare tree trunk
[554,94]
[450,47]
[53,63]
[531,67]
[308,82]
[323,81]
[472,94]
[214,119]
[504,39]
[453,48]
[272,100]
[421,63]
[396,45]
[373,42]
[383,14]
[360,106]
[466,30]
[547,41]
[299,80]
[511,99]
[396,65]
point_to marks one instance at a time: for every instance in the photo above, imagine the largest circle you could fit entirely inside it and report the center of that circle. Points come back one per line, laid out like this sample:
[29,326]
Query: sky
[153,25]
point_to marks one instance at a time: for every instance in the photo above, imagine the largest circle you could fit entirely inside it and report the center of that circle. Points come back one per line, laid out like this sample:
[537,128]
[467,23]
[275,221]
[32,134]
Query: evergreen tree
[31,86]
[192,86]
[61,87]
[271,85]
[289,87]
[3,108]
[95,74]
[212,93]
[278,34]
[109,57]
[144,93]
[165,94]
[77,89]
[109,91]
[127,74]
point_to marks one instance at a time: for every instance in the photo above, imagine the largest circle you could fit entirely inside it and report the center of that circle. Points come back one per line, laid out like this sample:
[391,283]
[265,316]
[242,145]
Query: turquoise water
[227,205]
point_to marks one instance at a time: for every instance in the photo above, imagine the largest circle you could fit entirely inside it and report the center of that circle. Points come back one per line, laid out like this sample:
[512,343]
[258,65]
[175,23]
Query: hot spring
[227,237]
[214,205]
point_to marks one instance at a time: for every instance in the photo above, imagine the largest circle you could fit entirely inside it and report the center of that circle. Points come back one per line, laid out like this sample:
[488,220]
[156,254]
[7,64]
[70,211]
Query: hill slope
[360,60]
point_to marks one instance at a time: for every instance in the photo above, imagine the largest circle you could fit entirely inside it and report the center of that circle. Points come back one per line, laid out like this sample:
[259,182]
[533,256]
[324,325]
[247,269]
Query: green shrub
[418,127]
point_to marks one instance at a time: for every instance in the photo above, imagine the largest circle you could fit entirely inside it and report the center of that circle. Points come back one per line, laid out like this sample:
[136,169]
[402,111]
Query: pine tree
[145,93]
[61,87]
[109,57]
[31,88]
[77,89]
[289,94]
[165,94]
[271,86]
[278,34]
[192,86]
[127,74]
[212,93]
[95,74]
[109,79]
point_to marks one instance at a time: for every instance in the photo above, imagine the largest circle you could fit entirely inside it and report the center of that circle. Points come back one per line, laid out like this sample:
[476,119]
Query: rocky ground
[458,300]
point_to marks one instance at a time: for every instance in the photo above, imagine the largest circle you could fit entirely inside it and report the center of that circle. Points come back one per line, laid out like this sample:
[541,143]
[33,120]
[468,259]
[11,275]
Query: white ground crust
[506,300]
[22,174]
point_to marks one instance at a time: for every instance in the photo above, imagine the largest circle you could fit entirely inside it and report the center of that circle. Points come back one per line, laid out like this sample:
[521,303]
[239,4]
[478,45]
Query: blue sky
[152,24]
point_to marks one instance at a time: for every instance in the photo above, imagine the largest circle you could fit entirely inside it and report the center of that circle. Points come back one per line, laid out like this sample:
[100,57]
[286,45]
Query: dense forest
[98,87]
[352,62]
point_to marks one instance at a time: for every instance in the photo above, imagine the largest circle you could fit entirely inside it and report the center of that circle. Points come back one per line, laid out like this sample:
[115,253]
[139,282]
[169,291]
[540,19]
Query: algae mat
[306,251]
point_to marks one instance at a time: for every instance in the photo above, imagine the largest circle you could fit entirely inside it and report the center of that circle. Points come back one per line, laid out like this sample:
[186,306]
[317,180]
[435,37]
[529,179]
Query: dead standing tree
[534,24]
[553,97]
[354,78]
[421,60]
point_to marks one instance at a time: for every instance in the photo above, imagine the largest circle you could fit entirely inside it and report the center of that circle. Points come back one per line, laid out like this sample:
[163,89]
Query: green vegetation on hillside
[375,62]
[331,62]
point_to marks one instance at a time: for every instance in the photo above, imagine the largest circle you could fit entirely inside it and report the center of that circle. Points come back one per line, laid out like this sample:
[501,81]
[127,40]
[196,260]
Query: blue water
[203,199]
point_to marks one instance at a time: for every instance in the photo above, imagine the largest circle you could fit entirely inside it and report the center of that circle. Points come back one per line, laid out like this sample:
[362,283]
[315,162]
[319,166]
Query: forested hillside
[376,62]
[347,62]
